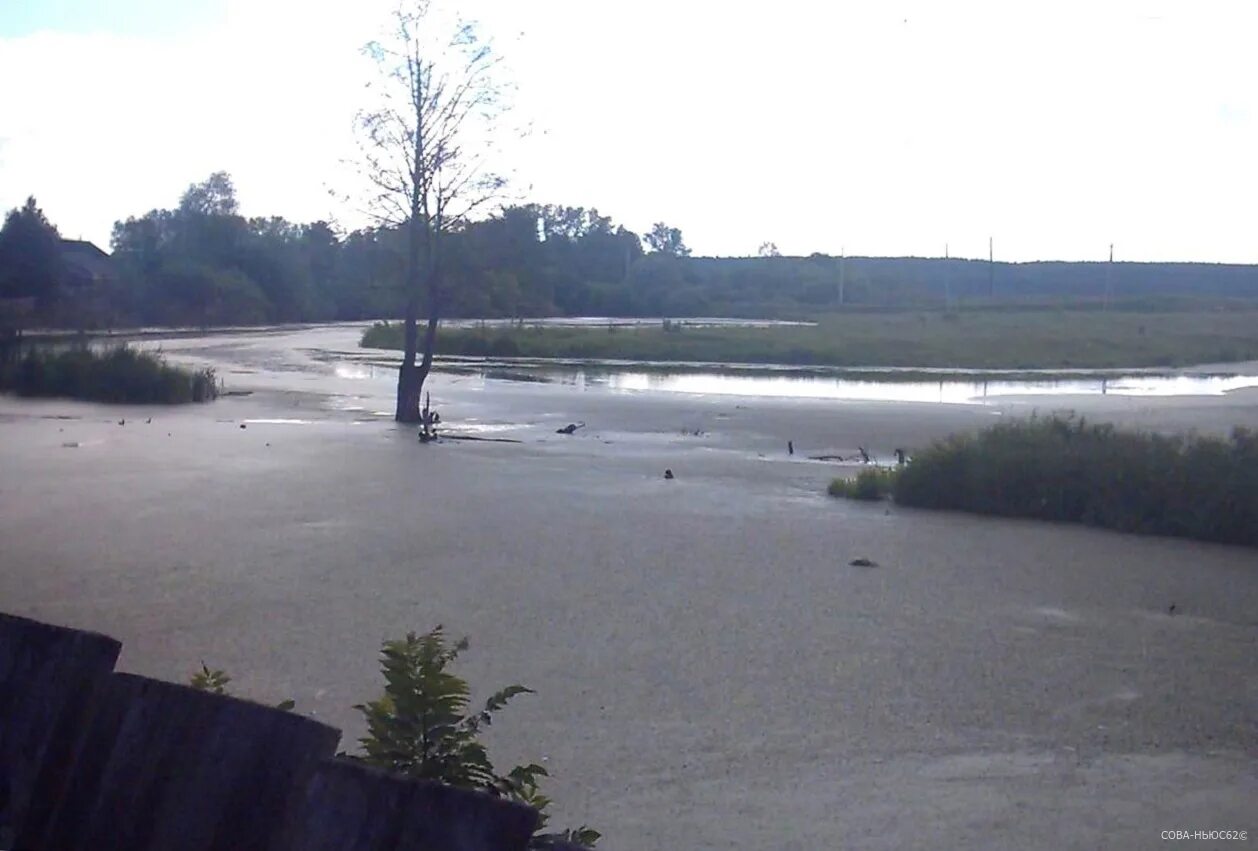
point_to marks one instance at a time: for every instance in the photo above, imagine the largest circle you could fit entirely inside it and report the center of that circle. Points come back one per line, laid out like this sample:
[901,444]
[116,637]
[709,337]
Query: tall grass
[119,375]
[1041,338]
[872,484]
[1066,469]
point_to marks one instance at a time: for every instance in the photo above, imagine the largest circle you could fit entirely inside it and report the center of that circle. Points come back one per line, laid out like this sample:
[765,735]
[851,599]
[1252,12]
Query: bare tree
[425,146]
[769,249]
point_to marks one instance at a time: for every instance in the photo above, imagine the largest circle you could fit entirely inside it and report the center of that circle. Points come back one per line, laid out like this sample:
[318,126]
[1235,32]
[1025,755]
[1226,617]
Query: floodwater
[787,382]
[625,322]
[792,385]
[710,671]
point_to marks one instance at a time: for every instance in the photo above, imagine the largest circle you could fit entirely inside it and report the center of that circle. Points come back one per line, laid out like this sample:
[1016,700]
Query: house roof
[86,256]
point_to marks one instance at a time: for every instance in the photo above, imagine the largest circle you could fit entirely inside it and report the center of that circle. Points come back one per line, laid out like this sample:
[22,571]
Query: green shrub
[119,374]
[421,726]
[871,484]
[382,335]
[1066,469]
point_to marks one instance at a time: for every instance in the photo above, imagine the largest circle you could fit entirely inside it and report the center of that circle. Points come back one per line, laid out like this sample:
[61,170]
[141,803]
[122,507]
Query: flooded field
[710,670]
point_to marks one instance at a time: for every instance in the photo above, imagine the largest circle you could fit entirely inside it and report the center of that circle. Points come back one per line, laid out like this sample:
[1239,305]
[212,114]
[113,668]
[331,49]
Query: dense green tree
[214,196]
[30,255]
[202,263]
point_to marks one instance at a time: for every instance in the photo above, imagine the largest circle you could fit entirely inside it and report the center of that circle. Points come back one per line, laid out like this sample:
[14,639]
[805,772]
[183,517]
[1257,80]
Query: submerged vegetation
[1066,469]
[120,374]
[993,339]
[871,484]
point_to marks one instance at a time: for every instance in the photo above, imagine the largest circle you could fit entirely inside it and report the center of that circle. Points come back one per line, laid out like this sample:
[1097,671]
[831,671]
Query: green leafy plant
[423,726]
[212,680]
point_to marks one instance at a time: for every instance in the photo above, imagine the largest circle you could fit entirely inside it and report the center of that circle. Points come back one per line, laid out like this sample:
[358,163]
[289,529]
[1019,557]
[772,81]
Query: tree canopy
[667,240]
[30,255]
[202,263]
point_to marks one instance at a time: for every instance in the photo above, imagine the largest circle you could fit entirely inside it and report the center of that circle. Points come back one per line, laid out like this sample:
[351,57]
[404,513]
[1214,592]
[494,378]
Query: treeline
[203,264]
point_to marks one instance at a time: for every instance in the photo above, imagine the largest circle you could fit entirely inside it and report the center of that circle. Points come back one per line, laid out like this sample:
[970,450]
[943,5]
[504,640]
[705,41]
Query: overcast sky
[879,128]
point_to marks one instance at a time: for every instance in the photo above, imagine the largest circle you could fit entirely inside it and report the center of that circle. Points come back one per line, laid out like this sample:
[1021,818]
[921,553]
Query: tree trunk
[410,380]
[430,344]
[432,279]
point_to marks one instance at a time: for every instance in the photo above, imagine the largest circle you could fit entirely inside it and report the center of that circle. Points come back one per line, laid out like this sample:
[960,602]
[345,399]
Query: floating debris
[863,562]
[479,439]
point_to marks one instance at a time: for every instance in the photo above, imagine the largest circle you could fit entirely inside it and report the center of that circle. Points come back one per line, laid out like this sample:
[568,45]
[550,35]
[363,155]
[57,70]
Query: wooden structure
[94,759]
[85,265]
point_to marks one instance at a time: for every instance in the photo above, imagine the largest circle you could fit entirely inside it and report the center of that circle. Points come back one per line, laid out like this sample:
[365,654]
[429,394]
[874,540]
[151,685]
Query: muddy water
[710,670]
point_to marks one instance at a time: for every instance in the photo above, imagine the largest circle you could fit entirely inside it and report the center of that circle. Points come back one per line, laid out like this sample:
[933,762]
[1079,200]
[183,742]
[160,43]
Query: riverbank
[119,375]
[1007,339]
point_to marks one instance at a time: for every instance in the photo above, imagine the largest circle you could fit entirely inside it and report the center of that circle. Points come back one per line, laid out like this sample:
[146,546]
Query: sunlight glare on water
[953,391]
[771,383]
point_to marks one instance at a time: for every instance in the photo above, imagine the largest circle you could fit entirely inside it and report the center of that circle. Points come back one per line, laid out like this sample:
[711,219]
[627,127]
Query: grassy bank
[1009,339]
[120,375]
[1068,470]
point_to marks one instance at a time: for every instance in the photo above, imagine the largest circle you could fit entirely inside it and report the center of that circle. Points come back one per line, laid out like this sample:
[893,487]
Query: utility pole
[842,273]
[1109,278]
[991,271]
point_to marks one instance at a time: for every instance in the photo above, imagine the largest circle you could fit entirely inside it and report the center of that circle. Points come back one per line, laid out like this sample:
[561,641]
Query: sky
[899,127]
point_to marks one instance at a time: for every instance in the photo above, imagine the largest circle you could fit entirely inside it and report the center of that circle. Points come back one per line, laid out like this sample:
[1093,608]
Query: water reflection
[768,382]
[955,391]
[625,322]
[362,371]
